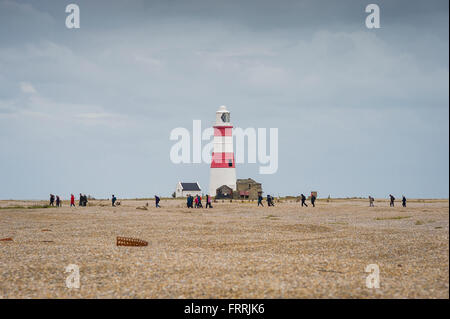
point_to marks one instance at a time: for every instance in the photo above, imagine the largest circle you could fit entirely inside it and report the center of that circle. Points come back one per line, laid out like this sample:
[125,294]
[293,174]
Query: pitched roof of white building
[190,186]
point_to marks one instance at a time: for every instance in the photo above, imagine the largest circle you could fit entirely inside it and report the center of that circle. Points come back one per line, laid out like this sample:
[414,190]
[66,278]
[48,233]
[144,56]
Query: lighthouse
[223,170]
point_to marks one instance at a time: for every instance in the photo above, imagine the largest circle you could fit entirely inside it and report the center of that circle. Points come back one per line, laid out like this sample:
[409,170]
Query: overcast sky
[359,111]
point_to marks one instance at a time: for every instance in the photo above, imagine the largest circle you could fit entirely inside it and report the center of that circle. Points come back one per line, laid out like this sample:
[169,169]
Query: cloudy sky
[359,111]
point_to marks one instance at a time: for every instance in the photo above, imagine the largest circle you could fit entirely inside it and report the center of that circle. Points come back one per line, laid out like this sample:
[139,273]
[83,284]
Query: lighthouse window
[230,163]
[225,117]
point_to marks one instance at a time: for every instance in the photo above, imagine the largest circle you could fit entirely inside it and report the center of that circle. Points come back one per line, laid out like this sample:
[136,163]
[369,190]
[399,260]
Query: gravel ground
[235,250]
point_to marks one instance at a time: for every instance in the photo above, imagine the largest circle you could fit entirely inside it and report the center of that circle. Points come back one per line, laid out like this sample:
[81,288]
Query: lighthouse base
[222,176]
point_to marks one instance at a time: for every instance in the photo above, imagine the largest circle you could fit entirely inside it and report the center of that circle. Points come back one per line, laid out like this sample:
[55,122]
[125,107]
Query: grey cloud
[137,69]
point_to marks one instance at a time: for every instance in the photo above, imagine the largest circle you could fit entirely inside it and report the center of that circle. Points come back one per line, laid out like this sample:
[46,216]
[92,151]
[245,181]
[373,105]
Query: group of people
[196,202]
[55,200]
[312,198]
[269,200]
[391,201]
[83,200]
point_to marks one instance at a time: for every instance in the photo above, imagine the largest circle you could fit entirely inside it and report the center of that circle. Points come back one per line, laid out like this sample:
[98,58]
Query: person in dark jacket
[260,198]
[371,200]
[403,201]
[58,201]
[313,200]
[113,200]
[52,199]
[270,200]
[157,200]
[392,199]
[190,201]
[303,199]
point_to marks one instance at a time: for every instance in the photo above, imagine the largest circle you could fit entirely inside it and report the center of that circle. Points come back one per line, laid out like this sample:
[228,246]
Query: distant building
[224,192]
[247,189]
[185,189]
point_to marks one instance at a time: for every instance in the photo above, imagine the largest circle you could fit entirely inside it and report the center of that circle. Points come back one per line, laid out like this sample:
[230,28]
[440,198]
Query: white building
[185,189]
[223,169]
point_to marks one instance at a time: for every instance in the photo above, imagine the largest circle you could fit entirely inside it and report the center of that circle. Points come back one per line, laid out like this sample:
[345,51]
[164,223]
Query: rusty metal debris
[6,239]
[128,241]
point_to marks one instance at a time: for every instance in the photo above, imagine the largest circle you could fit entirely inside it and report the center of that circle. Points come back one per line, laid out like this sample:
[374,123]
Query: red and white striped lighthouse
[223,169]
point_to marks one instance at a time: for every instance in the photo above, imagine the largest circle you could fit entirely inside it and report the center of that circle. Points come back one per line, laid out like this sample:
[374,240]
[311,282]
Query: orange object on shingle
[128,241]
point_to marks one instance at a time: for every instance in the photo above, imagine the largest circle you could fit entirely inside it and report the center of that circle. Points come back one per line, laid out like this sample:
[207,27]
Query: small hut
[224,192]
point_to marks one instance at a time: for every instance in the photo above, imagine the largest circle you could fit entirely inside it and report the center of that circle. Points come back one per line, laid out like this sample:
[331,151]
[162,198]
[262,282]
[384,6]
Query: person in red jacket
[72,200]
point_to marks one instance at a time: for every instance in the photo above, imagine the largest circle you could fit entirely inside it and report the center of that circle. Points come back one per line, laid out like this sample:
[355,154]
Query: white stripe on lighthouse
[223,144]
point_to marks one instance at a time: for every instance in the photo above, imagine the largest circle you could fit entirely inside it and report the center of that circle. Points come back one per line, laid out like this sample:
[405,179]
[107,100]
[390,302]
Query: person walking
[52,199]
[58,201]
[72,200]
[270,200]
[371,200]
[403,201]
[113,200]
[157,200]
[303,198]
[208,201]
[313,200]
[392,199]
[189,201]
[260,198]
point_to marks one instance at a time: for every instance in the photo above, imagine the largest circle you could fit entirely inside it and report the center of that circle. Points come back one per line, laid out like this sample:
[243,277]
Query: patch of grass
[40,206]
[392,218]
[338,223]
[27,207]
[419,222]
[271,217]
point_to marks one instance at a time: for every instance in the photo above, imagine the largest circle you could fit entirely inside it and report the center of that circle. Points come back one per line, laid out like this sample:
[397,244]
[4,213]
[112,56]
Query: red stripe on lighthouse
[223,130]
[222,160]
